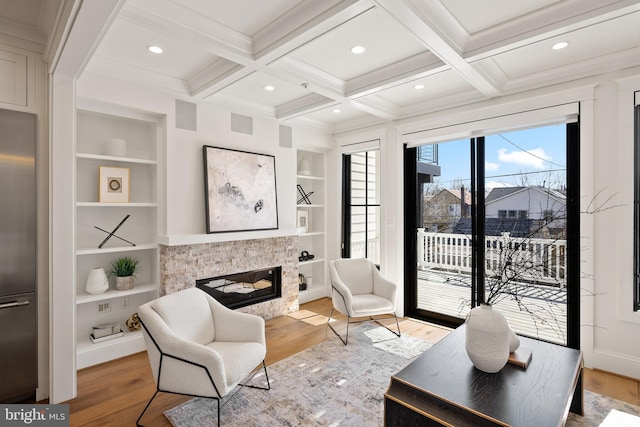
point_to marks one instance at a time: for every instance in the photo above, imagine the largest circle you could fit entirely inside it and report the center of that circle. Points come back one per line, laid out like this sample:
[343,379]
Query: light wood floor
[114,393]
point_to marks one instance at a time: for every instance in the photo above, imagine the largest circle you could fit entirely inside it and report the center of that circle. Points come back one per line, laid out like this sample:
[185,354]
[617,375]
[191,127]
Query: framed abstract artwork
[240,190]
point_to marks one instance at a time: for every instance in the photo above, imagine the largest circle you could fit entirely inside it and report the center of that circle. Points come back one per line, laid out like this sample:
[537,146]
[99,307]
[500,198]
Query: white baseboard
[620,364]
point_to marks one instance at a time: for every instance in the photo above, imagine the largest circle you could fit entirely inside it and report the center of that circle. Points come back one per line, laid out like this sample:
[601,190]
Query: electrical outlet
[103,306]
[124,303]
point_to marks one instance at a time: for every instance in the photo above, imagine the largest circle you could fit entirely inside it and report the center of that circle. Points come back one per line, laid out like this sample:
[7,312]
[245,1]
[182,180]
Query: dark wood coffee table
[443,388]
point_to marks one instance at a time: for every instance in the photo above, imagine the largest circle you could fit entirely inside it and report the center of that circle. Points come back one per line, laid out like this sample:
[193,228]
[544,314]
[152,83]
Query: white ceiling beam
[412,18]
[404,71]
[377,106]
[216,77]
[304,105]
[303,23]
[84,30]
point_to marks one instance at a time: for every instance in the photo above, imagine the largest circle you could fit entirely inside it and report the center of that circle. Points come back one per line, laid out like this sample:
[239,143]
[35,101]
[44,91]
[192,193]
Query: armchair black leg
[386,327]
[145,409]
[344,340]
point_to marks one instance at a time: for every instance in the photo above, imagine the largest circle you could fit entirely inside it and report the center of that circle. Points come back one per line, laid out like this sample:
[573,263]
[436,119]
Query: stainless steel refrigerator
[18,264]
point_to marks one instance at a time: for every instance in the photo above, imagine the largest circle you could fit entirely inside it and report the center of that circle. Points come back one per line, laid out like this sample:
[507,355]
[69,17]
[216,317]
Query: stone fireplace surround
[182,265]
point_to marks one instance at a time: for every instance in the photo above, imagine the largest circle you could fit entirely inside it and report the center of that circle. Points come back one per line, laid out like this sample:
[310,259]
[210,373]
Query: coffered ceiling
[458,51]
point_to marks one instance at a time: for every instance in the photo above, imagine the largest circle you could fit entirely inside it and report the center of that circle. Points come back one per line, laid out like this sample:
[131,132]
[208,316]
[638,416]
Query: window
[523,214]
[502,214]
[512,214]
[361,216]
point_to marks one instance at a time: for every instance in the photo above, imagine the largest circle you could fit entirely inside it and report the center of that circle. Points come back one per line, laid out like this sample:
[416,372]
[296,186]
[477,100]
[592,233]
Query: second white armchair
[359,290]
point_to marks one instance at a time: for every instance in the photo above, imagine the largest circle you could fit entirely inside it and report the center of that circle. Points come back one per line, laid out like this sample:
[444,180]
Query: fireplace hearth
[244,289]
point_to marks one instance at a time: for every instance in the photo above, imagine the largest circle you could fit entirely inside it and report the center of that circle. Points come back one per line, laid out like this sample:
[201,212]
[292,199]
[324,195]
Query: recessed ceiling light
[155,49]
[336,110]
[419,86]
[357,50]
[560,45]
[269,88]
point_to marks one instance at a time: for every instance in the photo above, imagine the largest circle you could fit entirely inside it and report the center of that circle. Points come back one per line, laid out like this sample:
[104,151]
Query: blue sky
[534,156]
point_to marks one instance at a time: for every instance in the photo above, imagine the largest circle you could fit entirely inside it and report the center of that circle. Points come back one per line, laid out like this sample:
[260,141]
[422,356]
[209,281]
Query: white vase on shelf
[97,282]
[304,166]
[116,147]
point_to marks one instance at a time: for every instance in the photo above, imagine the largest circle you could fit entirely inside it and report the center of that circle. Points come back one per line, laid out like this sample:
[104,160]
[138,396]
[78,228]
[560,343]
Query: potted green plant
[124,269]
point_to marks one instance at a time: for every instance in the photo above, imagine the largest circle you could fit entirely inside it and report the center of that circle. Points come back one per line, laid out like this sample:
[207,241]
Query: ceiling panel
[251,89]
[440,85]
[346,113]
[584,44]
[386,41]
[476,16]
[127,43]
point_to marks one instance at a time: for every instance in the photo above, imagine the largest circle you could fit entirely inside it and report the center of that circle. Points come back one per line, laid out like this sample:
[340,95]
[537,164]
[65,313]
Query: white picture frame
[302,220]
[114,184]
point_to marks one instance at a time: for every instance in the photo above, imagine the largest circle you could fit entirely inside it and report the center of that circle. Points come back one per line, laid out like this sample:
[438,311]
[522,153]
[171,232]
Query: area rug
[330,384]
[605,411]
[405,346]
[335,385]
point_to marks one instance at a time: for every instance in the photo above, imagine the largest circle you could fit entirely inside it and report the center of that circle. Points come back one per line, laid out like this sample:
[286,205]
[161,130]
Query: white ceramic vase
[97,282]
[116,147]
[304,166]
[488,338]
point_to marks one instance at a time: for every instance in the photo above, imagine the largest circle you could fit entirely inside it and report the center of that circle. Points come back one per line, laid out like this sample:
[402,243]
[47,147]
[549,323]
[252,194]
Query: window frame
[636,209]
[348,205]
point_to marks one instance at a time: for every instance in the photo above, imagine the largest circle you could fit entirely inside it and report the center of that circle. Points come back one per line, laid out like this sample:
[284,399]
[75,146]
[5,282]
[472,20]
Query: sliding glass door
[492,226]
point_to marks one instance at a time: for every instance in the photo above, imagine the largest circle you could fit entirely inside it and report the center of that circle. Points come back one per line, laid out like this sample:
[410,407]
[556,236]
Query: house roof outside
[500,193]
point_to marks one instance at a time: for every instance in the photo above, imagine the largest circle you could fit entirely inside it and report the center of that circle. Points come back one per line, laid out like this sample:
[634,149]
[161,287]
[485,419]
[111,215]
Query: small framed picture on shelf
[303,220]
[114,184]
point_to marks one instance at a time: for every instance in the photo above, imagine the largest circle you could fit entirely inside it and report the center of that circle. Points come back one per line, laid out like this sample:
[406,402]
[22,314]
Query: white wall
[184,175]
[606,131]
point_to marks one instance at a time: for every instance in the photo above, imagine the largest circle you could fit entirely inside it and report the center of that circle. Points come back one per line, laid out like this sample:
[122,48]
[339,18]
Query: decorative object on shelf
[487,338]
[108,331]
[133,322]
[304,166]
[305,256]
[97,281]
[240,190]
[116,147]
[304,195]
[112,233]
[124,269]
[303,220]
[302,284]
[114,184]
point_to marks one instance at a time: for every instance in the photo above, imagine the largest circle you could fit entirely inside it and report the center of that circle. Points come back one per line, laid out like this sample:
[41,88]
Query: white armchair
[359,290]
[198,347]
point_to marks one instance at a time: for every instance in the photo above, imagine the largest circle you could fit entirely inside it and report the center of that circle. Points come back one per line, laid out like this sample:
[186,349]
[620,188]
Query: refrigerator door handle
[13,304]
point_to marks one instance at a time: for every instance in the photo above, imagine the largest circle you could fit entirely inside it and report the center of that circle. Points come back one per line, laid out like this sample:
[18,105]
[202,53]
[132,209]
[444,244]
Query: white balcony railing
[536,260]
